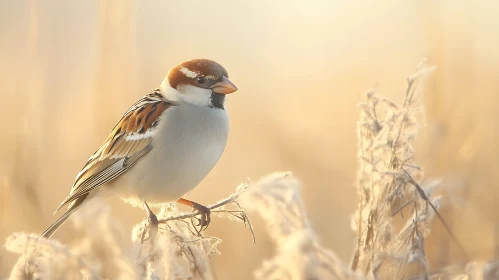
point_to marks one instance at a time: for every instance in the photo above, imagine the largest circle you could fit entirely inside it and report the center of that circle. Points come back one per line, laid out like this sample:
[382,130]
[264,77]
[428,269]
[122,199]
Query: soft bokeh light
[69,69]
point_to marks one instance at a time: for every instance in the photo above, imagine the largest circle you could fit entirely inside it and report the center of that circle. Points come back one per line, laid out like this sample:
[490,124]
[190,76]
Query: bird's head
[200,82]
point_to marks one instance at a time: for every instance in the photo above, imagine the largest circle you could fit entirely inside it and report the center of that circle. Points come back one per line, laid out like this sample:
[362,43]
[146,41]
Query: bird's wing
[128,142]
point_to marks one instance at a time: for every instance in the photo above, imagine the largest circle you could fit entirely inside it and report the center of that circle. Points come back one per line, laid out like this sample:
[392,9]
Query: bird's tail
[57,224]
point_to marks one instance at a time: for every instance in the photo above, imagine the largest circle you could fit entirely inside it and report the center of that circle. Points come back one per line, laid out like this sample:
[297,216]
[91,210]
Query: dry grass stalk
[180,247]
[388,187]
[298,255]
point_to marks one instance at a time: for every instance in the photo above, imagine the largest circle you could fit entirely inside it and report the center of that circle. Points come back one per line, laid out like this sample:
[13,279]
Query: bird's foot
[203,211]
[205,219]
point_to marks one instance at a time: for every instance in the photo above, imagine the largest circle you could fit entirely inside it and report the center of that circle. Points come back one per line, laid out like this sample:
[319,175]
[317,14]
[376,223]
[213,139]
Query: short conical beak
[225,86]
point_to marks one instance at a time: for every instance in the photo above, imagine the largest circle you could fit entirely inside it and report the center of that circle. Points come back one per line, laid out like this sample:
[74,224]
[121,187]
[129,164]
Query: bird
[162,147]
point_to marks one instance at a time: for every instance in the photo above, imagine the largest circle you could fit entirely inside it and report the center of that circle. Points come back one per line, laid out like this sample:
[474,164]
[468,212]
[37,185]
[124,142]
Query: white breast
[190,141]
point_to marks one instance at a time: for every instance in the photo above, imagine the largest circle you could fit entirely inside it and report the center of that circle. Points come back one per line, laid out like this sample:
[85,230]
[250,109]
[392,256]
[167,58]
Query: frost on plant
[298,254]
[46,259]
[178,250]
[395,211]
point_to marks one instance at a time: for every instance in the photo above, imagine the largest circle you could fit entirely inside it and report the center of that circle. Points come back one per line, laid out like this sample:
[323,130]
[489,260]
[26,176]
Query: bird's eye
[200,80]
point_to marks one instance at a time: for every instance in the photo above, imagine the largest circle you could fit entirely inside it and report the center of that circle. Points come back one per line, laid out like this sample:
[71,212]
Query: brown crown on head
[187,72]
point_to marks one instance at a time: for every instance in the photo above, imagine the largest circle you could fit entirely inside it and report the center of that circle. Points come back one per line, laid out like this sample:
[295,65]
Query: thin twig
[216,208]
[425,197]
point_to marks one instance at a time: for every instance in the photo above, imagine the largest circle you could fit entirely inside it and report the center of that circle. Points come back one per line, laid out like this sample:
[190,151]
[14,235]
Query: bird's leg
[203,211]
[153,221]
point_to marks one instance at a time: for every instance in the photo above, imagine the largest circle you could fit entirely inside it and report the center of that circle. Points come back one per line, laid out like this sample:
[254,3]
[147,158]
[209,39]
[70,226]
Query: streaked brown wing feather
[128,142]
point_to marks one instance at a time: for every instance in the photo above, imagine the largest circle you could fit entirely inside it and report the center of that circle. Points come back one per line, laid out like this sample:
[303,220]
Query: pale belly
[190,142]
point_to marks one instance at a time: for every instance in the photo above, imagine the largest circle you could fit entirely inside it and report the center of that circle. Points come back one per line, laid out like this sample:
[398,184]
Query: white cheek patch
[195,95]
[186,94]
[170,93]
[188,73]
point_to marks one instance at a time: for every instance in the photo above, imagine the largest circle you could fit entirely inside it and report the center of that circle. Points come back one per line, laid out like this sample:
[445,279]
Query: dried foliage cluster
[387,188]
[178,250]
[396,209]
[397,205]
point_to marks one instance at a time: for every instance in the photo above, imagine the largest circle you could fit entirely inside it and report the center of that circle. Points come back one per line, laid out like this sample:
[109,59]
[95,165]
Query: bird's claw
[205,213]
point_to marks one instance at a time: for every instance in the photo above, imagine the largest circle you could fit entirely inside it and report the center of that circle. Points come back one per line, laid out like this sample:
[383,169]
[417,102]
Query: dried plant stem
[447,228]
[218,208]
[387,184]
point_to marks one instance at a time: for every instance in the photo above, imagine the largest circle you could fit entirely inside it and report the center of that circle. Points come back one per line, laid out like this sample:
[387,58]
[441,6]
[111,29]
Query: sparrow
[163,146]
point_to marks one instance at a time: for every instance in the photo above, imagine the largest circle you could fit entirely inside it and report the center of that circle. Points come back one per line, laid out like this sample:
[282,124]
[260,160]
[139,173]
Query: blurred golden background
[69,69]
